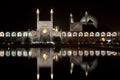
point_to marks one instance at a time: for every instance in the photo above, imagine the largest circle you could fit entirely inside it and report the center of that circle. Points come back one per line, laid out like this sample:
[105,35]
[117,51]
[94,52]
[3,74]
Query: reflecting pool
[58,63]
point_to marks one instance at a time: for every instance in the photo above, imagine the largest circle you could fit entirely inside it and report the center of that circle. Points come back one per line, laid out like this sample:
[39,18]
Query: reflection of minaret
[71,18]
[44,59]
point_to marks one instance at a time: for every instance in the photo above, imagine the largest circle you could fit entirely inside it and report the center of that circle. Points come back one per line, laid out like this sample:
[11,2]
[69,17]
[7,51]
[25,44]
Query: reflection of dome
[88,17]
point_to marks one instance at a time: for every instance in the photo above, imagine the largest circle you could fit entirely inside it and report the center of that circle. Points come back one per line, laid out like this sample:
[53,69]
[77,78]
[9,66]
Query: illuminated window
[7,34]
[2,53]
[19,34]
[114,34]
[13,53]
[25,53]
[63,34]
[91,34]
[97,34]
[91,53]
[75,34]
[25,34]
[108,34]
[19,53]
[13,34]
[86,34]
[102,34]
[80,34]
[1,34]
[80,53]
[69,34]
[7,53]
[75,53]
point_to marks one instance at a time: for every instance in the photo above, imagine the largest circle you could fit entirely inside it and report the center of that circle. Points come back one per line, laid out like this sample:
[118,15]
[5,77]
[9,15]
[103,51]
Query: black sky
[22,13]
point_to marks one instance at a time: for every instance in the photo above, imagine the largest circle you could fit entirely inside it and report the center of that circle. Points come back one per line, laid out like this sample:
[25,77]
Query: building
[83,32]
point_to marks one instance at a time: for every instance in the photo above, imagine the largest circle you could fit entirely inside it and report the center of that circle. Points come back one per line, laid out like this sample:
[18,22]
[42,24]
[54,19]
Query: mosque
[82,32]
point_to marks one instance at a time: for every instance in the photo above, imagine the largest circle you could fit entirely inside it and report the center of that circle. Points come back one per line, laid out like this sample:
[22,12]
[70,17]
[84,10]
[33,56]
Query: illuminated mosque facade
[84,31]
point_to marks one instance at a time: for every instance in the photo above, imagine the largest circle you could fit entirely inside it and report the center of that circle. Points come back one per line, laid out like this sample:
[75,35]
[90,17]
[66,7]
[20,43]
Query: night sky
[21,14]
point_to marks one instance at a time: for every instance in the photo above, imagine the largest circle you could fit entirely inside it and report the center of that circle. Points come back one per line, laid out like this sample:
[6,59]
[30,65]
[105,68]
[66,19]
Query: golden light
[38,76]
[55,58]
[72,65]
[51,75]
[103,39]
[44,30]
[69,53]
[51,11]
[37,11]
[44,56]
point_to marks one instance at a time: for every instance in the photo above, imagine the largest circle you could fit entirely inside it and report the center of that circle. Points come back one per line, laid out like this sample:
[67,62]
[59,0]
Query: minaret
[37,12]
[86,14]
[51,15]
[71,18]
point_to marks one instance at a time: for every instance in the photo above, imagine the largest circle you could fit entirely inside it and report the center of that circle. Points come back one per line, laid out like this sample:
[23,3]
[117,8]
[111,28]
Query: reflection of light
[7,53]
[86,73]
[75,53]
[1,53]
[103,53]
[44,31]
[69,53]
[71,71]
[44,56]
[51,75]
[55,58]
[25,53]
[80,53]
[97,53]
[38,76]
[86,53]
[37,11]
[103,39]
[19,53]
[72,65]
[13,53]
[30,53]
[91,53]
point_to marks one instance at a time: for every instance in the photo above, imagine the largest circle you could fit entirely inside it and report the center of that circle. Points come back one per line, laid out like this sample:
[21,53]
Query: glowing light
[86,73]
[19,53]
[38,76]
[13,53]
[25,53]
[97,53]
[91,53]
[7,53]
[55,58]
[69,53]
[103,53]
[72,65]
[71,71]
[44,30]
[103,39]
[86,53]
[2,53]
[51,75]
[51,11]
[80,53]
[37,11]
[44,56]
[75,53]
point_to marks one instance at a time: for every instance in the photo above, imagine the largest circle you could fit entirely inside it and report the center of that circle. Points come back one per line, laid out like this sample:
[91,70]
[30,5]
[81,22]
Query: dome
[88,18]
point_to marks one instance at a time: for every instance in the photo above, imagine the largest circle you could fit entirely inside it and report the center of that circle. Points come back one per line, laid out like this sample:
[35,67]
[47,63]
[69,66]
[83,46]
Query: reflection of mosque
[87,59]
[83,32]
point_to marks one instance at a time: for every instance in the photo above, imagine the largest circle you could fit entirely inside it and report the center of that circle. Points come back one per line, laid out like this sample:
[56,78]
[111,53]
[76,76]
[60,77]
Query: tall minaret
[37,12]
[86,14]
[51,15]
[71,18]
